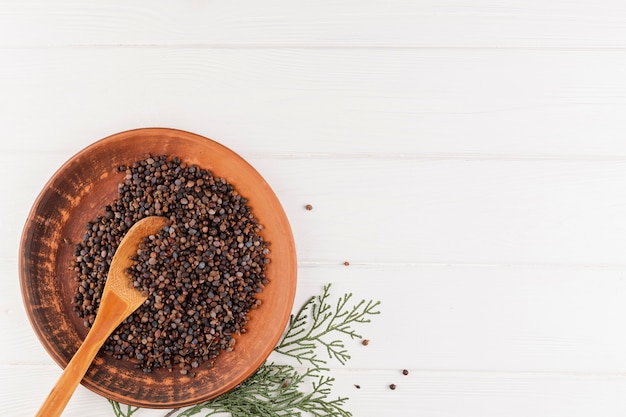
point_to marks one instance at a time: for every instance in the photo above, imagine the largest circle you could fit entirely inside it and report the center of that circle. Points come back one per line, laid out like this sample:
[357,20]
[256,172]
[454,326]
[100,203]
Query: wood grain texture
[433,394]
[431,210]
[326,23]
[512,103]
[119,300]
[467,159]
[469,318]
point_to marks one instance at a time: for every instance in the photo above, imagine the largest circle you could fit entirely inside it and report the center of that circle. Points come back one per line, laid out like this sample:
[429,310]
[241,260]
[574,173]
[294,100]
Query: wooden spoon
[119,300]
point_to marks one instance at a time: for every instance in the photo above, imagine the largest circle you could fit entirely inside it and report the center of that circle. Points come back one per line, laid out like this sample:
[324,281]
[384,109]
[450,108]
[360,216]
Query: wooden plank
[453,211]
[484,395]
[394,102]
[466,159]
[442,318]
[351,23]
[370,210]
[431,394]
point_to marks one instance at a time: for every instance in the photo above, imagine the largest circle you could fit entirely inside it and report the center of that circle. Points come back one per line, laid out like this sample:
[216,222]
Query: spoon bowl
[119,300]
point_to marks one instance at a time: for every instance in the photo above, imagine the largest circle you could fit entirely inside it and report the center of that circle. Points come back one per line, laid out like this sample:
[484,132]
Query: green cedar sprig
[117,409]
[317,322]
[277,390]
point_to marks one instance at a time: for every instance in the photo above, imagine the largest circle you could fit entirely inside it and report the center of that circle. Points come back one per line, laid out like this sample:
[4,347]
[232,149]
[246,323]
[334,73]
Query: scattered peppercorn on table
[464,164]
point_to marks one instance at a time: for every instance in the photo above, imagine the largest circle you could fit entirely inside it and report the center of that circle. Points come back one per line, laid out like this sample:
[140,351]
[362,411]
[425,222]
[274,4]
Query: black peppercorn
[202,271]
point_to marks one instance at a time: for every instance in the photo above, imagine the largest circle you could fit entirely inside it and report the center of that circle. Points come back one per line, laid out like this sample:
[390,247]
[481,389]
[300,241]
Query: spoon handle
[77,367]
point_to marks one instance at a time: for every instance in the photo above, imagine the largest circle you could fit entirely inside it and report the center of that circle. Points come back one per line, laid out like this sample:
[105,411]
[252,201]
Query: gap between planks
[388,156]
[312,264]
[414,372]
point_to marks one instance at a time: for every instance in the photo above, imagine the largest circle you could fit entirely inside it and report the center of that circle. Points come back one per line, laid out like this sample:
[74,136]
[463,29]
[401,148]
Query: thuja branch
[276,390]
[320,325]
[119,412]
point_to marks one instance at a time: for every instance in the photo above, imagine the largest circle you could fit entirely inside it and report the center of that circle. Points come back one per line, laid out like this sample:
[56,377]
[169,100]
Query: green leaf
[278,390]
[117,409]
[319,326]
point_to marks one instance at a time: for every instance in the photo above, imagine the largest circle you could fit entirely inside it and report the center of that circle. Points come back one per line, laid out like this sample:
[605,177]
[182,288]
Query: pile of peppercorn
[202,271]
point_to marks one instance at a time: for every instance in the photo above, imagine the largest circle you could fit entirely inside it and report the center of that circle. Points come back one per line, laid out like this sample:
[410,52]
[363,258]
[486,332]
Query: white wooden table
[467,158]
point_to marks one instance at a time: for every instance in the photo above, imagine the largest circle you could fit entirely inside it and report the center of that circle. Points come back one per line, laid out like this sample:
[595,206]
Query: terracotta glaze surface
[76,194]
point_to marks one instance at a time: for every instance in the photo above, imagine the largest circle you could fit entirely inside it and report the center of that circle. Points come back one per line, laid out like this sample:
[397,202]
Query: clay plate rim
[75,194]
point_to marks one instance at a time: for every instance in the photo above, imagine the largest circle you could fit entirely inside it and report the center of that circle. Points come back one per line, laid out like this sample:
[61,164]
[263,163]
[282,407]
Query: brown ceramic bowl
[76,194]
